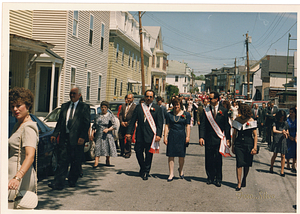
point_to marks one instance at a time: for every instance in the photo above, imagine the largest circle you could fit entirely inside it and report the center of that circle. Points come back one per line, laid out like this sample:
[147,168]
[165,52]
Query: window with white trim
[123,52]
[75,23]
[132,60]
[102,36]
[117,53]
[73,73]
[158,62]
[88,85]
[115,88]
[121,87]
[91,29]
[129,59]
[176,78]
[99,87]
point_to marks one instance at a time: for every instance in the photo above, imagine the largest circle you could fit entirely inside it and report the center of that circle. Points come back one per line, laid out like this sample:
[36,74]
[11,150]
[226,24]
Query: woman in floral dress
[105,145]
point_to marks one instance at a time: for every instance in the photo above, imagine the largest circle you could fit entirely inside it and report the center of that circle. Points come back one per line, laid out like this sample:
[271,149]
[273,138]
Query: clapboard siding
[50,26]
[79,52]
[20,22]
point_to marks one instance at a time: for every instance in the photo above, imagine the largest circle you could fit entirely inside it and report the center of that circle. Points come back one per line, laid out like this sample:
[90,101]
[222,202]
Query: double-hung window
[91,29]
[117,53]
[88,85]
[73,72]
[99,87]
[102,36]
[75,23]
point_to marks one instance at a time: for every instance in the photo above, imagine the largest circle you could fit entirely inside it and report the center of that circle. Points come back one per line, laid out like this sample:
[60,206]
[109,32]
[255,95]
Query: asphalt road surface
[119,188]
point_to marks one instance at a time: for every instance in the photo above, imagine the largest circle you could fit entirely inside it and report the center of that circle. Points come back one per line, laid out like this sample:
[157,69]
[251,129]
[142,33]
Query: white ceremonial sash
[154,145]
[195,105]
[224,149]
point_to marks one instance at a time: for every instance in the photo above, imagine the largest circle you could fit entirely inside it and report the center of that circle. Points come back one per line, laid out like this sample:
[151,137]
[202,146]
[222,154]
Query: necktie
[71,116]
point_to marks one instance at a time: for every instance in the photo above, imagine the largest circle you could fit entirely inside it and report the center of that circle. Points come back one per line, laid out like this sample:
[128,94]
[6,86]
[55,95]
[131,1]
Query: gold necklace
[178,117]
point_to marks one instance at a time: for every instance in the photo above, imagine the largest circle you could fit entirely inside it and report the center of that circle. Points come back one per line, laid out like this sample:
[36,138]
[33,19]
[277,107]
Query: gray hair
[79,89]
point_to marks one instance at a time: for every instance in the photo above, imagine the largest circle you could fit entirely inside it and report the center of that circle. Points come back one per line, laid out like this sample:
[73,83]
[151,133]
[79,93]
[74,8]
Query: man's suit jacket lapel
[78,109]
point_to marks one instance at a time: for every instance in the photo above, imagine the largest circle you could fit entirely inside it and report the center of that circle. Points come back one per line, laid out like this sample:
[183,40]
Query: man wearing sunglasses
[214,118]
[72,127]
[148,132]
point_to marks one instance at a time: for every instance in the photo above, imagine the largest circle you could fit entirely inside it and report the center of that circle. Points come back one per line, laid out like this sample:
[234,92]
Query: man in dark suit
[144,133]
[125,118]
[213,159]
[72,127]
[262,121]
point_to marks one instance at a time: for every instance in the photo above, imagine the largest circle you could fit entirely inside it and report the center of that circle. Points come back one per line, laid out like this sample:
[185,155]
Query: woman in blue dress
[177,136]
[292,139]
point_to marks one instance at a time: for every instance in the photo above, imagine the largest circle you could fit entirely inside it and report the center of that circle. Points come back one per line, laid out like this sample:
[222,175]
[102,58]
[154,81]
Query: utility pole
[142,52]
[287,66]
[248,68]
[234,78]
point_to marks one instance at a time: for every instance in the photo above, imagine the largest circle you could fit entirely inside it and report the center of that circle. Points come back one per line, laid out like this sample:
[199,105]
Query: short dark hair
[126,96]
[159,98]
[150,91]
[216,95]
[142,100]
[21,94]
[279,114]
[294,110]
[104,103]
[176,101]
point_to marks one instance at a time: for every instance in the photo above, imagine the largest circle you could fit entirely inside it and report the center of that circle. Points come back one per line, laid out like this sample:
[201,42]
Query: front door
[45,88]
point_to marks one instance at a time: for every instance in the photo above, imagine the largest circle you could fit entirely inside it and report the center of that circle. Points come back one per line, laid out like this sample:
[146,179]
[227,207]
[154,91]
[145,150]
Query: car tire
[90,155]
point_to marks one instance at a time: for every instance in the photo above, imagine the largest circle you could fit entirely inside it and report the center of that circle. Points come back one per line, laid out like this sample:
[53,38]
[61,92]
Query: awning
[133,81]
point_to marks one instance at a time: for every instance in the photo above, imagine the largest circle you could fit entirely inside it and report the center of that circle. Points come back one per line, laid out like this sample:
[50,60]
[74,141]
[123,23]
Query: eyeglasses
[73,93]
[149,96]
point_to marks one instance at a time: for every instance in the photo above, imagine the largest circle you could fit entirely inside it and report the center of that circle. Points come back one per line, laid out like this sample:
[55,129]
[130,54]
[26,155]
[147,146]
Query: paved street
[119,188]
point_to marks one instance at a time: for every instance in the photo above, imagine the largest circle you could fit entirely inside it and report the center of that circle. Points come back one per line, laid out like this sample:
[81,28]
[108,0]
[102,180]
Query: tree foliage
[171,89]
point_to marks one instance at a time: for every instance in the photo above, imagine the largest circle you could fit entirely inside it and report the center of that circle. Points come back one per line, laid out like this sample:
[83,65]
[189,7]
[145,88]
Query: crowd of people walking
[225,127]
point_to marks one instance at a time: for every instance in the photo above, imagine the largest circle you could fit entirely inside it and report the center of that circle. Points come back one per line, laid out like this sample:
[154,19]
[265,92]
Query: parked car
[186,96]
[89,147]
[47,155]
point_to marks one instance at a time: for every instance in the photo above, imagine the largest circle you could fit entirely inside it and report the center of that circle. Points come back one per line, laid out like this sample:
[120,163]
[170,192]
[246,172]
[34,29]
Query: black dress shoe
[208,182]
[243,183]
[237,188]
[218,184]
[145,177]
[72,184]
[282,175]
[54,186]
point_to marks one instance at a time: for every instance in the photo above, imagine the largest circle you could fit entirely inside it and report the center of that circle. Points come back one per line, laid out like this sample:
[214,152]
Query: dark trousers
[213,163]
[68,155]
[125,148]
[144,161]
[269,134]
[263,132]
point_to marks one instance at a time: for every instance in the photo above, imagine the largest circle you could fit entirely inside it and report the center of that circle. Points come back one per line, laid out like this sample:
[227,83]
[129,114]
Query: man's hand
[157,139]
[201,141]
[198,123]
[52,139]
[123,124]
[128,136]
[228,143]
[80,141]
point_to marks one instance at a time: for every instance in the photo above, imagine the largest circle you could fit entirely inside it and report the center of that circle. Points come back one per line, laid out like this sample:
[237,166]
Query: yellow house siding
[20,22]
[122,71]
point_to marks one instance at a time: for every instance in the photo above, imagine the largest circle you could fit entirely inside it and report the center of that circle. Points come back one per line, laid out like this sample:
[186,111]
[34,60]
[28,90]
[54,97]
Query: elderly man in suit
[214,115]
[148,132]
[72,127]
[262,121]
[125,118]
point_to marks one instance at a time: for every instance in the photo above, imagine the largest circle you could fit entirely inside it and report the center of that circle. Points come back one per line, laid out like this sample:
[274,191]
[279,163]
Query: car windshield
[53,116]
[43,128]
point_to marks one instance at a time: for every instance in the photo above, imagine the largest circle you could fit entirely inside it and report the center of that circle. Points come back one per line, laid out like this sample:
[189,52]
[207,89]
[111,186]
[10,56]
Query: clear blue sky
[208,40]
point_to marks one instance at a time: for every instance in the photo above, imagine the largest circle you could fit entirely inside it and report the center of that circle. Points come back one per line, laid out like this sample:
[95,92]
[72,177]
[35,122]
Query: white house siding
[56,27]
[20,22]
[51,26]
[80,52]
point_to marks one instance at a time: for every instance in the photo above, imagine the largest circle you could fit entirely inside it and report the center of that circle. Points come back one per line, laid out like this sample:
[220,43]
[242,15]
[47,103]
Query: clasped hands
[128,136]
[201,142]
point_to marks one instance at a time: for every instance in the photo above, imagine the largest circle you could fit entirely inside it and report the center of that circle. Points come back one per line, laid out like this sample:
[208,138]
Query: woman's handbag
[26,199]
